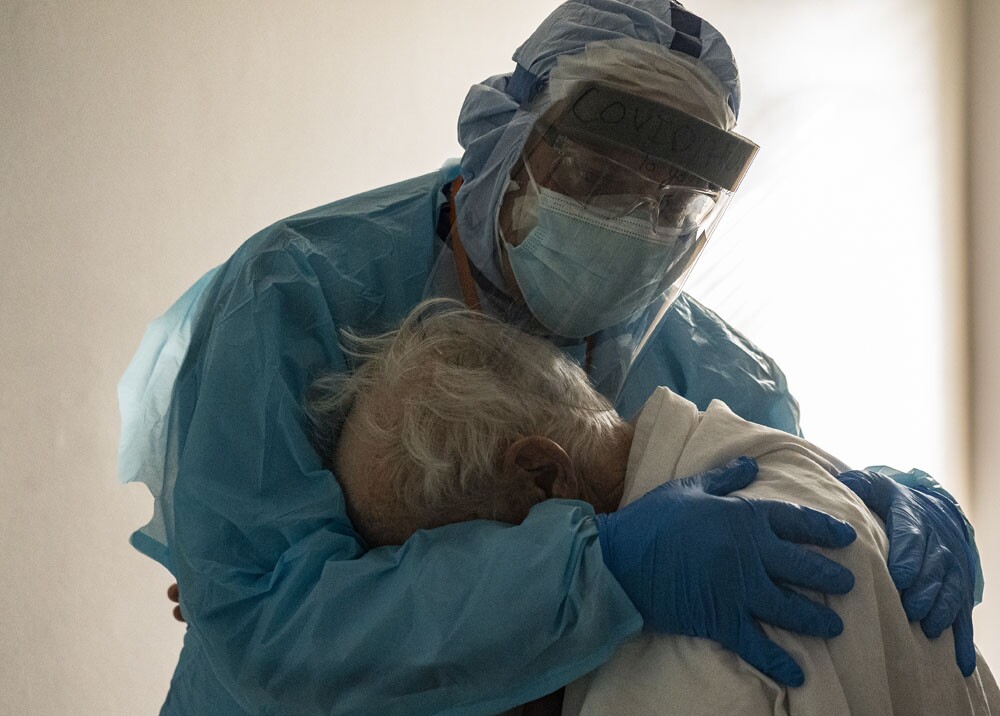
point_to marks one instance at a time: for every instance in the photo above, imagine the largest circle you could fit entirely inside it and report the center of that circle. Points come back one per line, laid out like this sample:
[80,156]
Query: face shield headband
[601,115]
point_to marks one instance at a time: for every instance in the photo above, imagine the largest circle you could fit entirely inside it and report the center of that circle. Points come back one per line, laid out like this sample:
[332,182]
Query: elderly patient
[457,417]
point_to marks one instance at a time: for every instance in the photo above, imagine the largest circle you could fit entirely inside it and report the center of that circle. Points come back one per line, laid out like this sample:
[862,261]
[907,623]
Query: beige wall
[140,143]
[984,214]
[844,251]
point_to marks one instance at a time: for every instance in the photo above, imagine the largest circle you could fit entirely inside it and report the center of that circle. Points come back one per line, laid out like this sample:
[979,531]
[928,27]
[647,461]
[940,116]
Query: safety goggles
[617,154]
[670,199]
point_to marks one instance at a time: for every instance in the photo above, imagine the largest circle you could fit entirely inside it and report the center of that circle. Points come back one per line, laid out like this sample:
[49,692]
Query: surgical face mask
[622,194]
[580,273]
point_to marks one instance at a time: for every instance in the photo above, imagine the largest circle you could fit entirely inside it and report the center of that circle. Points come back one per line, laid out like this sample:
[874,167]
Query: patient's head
[456,416]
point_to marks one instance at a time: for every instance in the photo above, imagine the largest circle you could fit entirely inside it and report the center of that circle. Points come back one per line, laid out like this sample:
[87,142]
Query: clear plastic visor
[618,154]
[613,182]
[619,196]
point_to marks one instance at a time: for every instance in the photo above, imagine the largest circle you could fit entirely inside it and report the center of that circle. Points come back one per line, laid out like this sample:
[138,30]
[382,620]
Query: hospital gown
[882,664]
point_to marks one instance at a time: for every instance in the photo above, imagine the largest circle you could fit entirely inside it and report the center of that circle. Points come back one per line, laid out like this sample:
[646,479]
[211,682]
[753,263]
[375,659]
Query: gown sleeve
[285,604]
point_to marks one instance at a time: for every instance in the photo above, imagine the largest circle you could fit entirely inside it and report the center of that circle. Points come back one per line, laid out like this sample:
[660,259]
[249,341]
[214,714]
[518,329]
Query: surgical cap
[499,113]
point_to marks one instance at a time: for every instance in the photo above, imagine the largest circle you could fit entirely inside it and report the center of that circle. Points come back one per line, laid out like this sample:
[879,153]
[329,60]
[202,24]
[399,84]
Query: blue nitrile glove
[930,559]
[700,564]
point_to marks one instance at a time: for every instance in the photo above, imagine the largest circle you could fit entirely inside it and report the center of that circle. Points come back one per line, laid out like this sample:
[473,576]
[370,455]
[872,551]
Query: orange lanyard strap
[469,292]
[465,280]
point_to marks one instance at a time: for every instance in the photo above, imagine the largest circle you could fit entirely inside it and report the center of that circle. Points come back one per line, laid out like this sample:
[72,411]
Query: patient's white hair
[441,399]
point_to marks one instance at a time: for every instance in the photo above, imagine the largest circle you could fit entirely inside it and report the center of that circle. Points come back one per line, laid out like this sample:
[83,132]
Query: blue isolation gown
[288,612]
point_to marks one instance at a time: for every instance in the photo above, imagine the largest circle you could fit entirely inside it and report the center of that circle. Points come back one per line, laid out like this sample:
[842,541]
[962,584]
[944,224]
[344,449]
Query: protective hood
[635,42]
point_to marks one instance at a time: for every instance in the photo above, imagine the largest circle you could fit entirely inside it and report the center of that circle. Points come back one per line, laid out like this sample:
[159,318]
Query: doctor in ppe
[592,178]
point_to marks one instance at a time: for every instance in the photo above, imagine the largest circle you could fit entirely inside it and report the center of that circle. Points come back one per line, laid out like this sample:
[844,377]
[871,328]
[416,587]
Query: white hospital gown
[881,664]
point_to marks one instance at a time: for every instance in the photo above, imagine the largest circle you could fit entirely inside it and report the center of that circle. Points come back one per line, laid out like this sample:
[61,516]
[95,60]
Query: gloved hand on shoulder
[930,558]
[698,562]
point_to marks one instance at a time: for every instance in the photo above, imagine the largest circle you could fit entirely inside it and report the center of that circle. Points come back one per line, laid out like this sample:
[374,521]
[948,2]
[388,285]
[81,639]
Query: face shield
[614,198]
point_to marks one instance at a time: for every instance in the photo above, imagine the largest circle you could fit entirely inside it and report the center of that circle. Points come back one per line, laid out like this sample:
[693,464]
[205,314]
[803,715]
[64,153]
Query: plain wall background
[140,144]
[983,107]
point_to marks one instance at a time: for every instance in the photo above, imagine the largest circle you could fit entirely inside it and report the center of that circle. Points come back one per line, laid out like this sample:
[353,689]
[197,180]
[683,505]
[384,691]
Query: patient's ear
[539,467]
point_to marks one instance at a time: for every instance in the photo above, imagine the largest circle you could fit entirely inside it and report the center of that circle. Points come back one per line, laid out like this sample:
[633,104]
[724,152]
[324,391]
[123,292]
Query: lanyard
[469,292]
[468,284]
